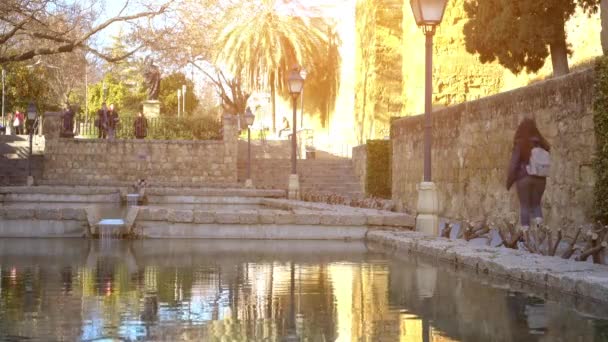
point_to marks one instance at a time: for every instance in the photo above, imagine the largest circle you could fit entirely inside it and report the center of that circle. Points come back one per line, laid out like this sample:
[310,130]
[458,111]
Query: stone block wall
[360,164]
[472,145]
[178,163]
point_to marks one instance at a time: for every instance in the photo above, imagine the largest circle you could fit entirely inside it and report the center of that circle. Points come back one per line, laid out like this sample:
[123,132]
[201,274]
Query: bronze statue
[151,78]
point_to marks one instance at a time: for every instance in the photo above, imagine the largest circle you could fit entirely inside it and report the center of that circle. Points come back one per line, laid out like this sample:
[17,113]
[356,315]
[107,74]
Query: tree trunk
[604,16]
[274,102]
[559,52]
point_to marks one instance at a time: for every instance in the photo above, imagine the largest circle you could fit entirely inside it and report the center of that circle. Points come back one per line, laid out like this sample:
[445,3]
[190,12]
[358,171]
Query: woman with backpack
[528,170]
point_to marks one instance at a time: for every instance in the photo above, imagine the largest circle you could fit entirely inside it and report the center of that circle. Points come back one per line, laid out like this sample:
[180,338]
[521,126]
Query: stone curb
[579,278]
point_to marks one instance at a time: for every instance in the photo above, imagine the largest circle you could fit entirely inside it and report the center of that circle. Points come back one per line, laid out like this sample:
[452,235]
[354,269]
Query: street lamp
[249,118]
[184,98]
[295,83]
[31,117]
[303,73]
[428,14]
[179,102]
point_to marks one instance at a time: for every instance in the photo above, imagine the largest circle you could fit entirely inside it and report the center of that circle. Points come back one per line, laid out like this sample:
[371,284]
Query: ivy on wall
[600,120]
[379,181]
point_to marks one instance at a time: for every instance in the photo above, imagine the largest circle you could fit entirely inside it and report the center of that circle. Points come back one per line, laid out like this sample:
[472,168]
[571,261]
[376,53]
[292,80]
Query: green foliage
[379,181]
[126,100]
[518,33]
[168,94]
[172,128]
[25,84]
[600,119]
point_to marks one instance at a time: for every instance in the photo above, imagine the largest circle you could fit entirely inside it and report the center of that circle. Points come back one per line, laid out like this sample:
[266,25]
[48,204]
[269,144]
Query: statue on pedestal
[151,74]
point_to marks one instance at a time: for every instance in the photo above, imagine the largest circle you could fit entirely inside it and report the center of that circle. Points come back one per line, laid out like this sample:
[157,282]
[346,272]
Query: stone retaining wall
[42,222]
[186,163]
[472,145]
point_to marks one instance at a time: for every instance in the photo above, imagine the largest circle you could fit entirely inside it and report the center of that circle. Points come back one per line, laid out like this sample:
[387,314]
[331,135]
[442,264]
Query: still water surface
[172,290]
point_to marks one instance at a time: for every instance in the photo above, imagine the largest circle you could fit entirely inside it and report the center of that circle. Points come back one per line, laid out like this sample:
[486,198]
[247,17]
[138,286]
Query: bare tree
[30,28]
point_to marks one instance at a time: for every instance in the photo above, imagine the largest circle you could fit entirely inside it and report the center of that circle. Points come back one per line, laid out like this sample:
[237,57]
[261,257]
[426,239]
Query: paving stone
[153,214]
[48,214]
[248,217]
[201,216]
[399,220]
[77,214]
[180,216]
[15,213]
[375,219]
[306,217]
[283,217]
[226,217]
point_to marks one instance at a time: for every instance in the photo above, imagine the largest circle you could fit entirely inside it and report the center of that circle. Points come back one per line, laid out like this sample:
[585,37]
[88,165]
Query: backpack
[540,163]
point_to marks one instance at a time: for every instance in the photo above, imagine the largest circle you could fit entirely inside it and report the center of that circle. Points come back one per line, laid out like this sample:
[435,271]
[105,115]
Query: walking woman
[528,171]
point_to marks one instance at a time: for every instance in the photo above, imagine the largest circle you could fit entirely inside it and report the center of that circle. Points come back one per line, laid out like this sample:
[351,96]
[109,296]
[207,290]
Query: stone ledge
[579,278]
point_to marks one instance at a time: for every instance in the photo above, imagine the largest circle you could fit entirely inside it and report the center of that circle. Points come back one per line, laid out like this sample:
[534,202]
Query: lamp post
[303,73]
[31,117]
[249,118]
[184,99]
[3,80]
[295,83]
[179,102]
[428,14]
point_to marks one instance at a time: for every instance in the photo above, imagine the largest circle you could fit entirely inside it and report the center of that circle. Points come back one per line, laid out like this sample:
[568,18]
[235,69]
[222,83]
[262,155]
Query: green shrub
[378,182]
[600,119]
[172,128]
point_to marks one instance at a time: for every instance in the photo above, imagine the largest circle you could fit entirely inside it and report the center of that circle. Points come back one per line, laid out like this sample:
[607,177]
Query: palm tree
[265,46]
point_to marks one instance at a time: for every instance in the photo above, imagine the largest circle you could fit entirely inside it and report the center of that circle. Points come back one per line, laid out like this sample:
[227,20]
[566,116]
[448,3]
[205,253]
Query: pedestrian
[18,122]
[112,121]
[140,126]
[285,127]
[528,170]
[102,121]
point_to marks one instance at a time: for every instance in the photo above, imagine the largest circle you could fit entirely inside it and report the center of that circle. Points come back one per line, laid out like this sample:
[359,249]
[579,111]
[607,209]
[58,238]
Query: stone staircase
[326,174]
[14,151]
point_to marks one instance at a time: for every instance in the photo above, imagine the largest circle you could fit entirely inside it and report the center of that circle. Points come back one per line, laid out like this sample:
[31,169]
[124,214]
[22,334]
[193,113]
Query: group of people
[16,124]
[108,120]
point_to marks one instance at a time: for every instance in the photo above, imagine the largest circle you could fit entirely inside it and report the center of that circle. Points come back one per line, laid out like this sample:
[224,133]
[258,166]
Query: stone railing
[186,163]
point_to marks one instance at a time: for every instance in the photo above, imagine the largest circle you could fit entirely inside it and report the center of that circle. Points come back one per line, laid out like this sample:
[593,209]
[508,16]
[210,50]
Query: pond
[203,290]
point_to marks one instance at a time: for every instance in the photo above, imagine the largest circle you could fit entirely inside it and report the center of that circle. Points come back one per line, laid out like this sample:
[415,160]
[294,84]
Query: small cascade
[108,229]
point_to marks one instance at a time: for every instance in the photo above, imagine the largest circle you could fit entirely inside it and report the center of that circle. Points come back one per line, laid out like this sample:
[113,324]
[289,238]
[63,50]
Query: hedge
[378,175]
[600,120]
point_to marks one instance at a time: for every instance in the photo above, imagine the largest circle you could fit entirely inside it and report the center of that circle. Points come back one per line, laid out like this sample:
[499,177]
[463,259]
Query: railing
[160,128]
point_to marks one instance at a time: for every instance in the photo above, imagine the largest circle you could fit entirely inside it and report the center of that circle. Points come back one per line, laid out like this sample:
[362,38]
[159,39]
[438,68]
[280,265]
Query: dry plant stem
[592,251]
[557,241]
[549,242]
[527,243]
[447,229]
[568,253]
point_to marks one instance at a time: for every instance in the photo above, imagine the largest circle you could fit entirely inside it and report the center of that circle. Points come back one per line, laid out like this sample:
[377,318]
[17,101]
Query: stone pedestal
[151,108]
[427,220]
[293,189]
[51,125]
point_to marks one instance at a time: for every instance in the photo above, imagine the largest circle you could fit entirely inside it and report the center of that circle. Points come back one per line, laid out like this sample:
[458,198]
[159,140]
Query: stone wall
[176,163]
[360,164]
[472,146]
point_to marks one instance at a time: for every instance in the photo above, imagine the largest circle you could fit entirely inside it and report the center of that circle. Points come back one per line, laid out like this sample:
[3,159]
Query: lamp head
[295,82]
[428,12]
[249,117]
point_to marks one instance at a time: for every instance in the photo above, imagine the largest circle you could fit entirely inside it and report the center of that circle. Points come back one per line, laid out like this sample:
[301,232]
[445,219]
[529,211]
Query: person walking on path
[102,121]
[140,126]
[528,170]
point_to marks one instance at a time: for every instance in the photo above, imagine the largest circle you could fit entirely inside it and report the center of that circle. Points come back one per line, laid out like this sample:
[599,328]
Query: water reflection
[261,291]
